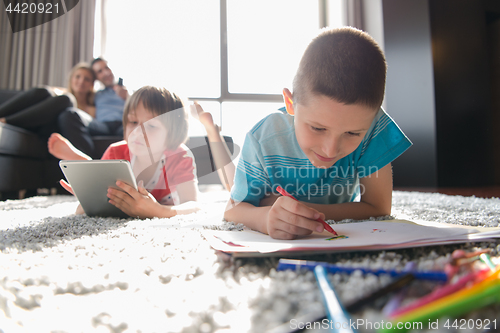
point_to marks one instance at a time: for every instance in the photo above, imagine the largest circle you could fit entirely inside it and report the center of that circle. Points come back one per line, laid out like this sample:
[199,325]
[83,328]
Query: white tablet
[90,181]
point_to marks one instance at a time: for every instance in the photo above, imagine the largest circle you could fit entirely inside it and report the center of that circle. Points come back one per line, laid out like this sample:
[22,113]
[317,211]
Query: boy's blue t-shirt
[271,156]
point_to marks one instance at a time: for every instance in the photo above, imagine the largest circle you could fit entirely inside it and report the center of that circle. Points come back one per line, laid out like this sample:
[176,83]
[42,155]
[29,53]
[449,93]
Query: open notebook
[358,236]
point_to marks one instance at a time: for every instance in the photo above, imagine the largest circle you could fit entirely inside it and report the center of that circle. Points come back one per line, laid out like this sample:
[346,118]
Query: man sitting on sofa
[79,127]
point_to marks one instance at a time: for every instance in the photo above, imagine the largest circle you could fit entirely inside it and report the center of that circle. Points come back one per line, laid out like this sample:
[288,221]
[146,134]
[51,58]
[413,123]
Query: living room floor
[480,192]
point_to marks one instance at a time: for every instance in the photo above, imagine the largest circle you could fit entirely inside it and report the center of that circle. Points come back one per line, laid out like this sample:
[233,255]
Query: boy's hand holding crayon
[288,218]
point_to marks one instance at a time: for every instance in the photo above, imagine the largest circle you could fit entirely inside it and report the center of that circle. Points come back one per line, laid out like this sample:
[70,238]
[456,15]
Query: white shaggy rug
[67,273]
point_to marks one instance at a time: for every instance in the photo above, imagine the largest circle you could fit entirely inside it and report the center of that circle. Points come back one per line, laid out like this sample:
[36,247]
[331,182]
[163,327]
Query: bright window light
[239,117]
[266,40]
[174,44]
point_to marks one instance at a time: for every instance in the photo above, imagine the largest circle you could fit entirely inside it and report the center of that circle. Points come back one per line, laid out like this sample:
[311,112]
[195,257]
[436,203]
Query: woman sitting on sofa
[37,109]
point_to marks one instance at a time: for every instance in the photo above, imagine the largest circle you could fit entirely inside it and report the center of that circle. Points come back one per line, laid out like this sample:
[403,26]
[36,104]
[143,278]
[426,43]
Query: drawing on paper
[337,237]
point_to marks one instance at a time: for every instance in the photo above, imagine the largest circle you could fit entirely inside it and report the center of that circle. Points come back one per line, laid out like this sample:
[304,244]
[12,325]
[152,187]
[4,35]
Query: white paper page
[362,234]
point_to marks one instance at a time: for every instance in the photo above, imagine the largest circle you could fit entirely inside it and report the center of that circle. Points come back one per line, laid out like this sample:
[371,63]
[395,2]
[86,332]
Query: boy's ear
[287,96]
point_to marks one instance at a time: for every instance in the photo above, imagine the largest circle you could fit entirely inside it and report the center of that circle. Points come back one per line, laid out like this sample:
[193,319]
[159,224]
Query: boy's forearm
[350,210]
[375,201]
[253,217]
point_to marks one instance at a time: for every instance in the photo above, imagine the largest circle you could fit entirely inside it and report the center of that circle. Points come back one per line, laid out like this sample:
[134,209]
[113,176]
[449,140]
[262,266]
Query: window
[174,43]
[177,44]
[265,40]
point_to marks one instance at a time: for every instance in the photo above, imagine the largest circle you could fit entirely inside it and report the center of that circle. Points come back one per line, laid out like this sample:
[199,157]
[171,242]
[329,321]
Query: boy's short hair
[160,102]
[345,64]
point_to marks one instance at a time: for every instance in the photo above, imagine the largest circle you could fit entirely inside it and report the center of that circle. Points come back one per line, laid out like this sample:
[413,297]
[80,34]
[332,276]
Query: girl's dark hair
[166,104]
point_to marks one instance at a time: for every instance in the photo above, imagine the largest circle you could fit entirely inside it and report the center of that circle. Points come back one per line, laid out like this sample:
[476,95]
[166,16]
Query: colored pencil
[331,268]
[335,312]
[282,191]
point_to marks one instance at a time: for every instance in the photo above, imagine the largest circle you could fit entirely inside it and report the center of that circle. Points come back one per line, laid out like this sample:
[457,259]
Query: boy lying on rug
[155,125]
[336,143]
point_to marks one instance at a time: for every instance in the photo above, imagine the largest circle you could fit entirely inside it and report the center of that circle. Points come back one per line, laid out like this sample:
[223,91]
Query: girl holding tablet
[155,123]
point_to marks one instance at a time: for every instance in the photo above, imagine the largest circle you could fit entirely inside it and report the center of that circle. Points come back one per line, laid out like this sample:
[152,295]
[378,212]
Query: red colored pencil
[282,191]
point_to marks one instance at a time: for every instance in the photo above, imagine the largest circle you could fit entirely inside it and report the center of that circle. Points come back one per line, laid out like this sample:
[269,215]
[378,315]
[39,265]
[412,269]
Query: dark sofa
[25,163]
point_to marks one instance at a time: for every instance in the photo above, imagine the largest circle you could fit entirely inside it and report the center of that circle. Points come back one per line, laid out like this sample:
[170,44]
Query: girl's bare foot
[2,120]
[204,117]
[61,148]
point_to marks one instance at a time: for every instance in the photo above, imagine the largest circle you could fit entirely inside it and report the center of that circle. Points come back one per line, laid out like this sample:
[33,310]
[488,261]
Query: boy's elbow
[386,212]
[378,210]
[229,213]
[383,211]
[232,212]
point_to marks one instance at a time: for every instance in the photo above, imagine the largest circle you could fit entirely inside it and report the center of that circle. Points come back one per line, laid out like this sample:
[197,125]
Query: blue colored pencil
[339,318]
[285,264]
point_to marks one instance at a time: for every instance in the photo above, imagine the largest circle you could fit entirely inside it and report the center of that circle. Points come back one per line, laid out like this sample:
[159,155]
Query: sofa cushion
[205,166]
[21,173]
[19,142]
[6,94]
